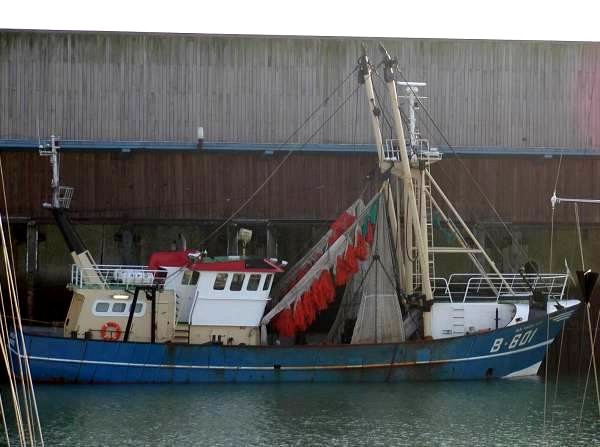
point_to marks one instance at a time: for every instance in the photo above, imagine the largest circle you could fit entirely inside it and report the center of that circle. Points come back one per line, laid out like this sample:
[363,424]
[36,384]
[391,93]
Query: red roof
[181,259]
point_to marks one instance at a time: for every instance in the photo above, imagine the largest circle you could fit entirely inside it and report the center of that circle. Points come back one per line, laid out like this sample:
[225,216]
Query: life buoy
[110,331]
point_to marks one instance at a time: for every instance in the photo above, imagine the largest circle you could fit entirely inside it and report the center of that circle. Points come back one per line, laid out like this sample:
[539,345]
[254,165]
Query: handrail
[473,285]
[464,286]
[116,276]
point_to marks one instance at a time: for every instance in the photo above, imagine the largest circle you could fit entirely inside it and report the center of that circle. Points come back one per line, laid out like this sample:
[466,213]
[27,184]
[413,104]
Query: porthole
[102,307]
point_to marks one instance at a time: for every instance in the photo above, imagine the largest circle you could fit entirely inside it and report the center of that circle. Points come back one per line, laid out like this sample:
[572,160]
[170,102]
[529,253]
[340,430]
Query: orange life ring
[110,331]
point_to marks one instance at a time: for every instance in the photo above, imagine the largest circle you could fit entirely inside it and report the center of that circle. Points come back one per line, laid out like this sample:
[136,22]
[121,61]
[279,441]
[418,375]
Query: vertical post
[130,317]
[55,171]
[408,234]
[152,297]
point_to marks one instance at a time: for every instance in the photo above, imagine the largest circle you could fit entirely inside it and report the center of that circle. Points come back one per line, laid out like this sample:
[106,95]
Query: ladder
[417,275]
[182,333]
[458,320]
[429,229]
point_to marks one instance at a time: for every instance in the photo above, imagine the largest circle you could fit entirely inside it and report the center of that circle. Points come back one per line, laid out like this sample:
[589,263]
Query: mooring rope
[562,338]
[587,377]
[546,369]
[579,235]
[30,410]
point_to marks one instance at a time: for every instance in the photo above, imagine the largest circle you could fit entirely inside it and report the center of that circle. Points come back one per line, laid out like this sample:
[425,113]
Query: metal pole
[364,77]
[55,171]
[471,235]
[130,317]
[413,219]
[153,316]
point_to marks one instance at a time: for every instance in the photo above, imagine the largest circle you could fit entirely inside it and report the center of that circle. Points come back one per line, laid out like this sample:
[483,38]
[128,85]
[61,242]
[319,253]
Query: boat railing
[421,150]
[462,287]
[391,152]
[440,288]
[116,276]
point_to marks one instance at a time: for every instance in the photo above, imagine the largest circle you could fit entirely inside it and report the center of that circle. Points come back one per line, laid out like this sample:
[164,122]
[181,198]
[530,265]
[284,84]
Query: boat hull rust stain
[493,354]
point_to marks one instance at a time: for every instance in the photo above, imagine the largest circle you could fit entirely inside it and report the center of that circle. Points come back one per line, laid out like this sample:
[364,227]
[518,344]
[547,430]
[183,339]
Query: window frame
[268,282]
[241,283]
[190,277]
[225,282]
[124,313]
[250,280]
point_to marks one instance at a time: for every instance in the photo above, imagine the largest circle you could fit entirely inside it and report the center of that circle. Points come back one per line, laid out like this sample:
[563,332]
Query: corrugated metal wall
[106,86]
[259,89]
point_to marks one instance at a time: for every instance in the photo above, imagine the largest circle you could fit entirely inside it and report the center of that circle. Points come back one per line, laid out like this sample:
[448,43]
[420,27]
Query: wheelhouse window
[138,308]
[268,281]
[220,281]
[190,277]
[237,282]
[118,307]
[253,282]
[102,307]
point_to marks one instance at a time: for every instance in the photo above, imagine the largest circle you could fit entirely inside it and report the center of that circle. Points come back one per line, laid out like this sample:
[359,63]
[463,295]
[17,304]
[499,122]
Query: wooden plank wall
[146,186]
[103,86]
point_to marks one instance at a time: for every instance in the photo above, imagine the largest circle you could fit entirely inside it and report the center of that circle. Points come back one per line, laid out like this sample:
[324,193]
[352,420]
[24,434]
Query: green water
[481,413]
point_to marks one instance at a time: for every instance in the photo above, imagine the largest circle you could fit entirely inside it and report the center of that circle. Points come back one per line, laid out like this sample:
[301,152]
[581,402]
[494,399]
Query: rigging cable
[555,188]
[588,319]
[30,404]
[579,235]
[290,152]
[407,228]
[26,381]
[587,377]
[470,175]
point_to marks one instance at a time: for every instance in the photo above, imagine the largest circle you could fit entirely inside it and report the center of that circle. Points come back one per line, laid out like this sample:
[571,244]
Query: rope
[562,338]
[4,422]
[546,369]
[29,401]
[552,217]
[587,377]
[579,236]
[290,152]
[469,174]
[551,241]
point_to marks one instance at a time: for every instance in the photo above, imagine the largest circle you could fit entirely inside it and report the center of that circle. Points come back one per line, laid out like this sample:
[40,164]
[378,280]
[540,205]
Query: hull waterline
[508,352]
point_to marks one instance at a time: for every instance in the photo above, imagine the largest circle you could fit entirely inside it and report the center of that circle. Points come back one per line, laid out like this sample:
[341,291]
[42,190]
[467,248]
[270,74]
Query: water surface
[475,413]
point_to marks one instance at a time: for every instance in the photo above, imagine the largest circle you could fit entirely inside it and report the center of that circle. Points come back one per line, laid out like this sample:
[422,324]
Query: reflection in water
[499,412]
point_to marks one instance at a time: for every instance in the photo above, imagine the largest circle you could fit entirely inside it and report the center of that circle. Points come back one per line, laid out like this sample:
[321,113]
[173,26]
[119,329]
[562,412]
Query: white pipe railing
[116,276]
[461,287]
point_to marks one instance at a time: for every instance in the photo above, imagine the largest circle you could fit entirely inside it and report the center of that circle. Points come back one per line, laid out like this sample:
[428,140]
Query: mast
[364,77]
[60,202]
[415,203]
[413,219]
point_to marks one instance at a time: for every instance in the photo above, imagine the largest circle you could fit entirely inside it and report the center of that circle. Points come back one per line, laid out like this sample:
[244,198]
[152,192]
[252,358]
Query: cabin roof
[218,264]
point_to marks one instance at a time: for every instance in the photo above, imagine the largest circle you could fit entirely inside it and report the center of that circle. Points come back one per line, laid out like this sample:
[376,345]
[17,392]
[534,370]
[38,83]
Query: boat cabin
[181,297]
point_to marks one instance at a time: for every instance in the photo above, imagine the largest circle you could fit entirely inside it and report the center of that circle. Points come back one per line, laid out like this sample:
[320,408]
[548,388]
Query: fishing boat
[187,317]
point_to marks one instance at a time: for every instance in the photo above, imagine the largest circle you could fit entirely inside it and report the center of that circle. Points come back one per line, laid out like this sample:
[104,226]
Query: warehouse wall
[103,86]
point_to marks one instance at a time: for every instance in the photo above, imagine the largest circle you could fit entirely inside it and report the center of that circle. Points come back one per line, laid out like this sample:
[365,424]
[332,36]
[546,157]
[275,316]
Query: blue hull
[515,350]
